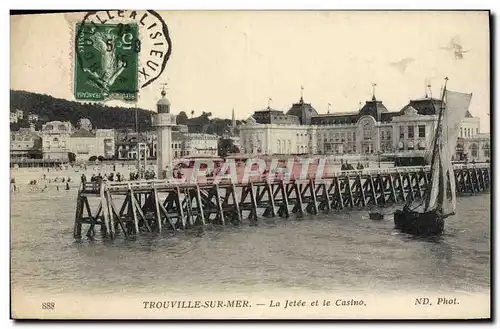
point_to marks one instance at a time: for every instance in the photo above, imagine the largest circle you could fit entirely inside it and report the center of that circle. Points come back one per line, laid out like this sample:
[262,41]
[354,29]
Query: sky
[239,59]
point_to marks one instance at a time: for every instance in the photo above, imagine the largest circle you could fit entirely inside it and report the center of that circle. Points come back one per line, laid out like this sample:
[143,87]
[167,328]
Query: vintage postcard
[250,165]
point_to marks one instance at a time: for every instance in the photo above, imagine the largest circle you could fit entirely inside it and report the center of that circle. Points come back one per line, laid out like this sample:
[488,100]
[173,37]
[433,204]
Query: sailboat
[440,197]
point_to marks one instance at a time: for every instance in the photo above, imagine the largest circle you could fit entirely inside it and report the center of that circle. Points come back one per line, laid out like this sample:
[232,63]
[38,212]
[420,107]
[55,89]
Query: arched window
[367,131]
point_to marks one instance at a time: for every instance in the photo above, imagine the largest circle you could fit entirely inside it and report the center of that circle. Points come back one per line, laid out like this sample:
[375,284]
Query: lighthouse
[163,121]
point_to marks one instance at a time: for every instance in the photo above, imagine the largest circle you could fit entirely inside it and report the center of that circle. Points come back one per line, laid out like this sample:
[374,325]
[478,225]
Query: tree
[192,113]
[49,108]
[226,146]
[92,158]
[182,118]
[100,158]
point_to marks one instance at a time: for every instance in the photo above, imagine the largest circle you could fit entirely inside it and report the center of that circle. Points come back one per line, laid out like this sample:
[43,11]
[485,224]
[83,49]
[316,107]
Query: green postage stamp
[106,61]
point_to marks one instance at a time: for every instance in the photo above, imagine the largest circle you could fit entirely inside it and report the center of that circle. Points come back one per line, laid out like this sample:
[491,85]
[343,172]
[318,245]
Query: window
[474,150]
[411,132]
[367,131]
[337,137]
[477,131]
[354,136]
[486,150]
[468,132]
[461,132]
[388,135]
[402,132]
[421,131]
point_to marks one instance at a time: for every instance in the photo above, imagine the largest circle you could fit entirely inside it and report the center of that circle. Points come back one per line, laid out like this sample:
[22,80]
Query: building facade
[475,148]
[25,144]
[200,144]
[370,130]
[99,143]
[56,140]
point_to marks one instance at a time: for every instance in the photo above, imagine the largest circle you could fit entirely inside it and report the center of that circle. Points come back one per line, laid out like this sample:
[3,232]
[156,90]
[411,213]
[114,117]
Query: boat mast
[436,139]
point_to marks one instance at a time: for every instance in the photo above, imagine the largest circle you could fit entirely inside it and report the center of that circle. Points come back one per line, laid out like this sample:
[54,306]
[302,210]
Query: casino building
[370,130]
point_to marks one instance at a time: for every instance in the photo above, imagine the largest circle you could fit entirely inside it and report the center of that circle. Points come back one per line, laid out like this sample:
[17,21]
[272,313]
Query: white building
[13,117]
[371,129]
[85,144]
[55,140]
[476,148]
[33,117]
[200,144]
[16,115]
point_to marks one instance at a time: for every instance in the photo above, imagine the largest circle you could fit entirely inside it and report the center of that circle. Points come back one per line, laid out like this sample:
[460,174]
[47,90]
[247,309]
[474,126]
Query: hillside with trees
[49,108]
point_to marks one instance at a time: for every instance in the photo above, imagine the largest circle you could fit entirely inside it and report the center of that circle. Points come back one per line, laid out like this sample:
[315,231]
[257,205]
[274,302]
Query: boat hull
[415,223]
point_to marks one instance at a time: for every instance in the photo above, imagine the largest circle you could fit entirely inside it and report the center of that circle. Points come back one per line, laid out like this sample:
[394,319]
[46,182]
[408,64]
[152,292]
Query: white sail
[443,178]
[434,188]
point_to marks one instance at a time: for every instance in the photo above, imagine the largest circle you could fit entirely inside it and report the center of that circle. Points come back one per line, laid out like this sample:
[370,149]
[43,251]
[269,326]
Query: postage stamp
[119,52]
[106,62]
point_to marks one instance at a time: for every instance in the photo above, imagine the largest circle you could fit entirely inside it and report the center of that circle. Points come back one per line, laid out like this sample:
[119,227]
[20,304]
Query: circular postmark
[119,52]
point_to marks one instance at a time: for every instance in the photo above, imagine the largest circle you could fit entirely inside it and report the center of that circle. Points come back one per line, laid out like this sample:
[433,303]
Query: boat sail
[440,201]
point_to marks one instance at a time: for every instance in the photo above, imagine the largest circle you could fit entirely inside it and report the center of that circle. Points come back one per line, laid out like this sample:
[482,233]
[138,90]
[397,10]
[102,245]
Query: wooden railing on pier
[132,207]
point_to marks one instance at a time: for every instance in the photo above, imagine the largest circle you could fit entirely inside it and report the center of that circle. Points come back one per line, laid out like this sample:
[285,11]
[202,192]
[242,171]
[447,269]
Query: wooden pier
[129,208]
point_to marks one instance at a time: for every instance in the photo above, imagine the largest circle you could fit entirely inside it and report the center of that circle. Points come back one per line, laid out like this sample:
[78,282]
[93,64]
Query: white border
[211,5]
